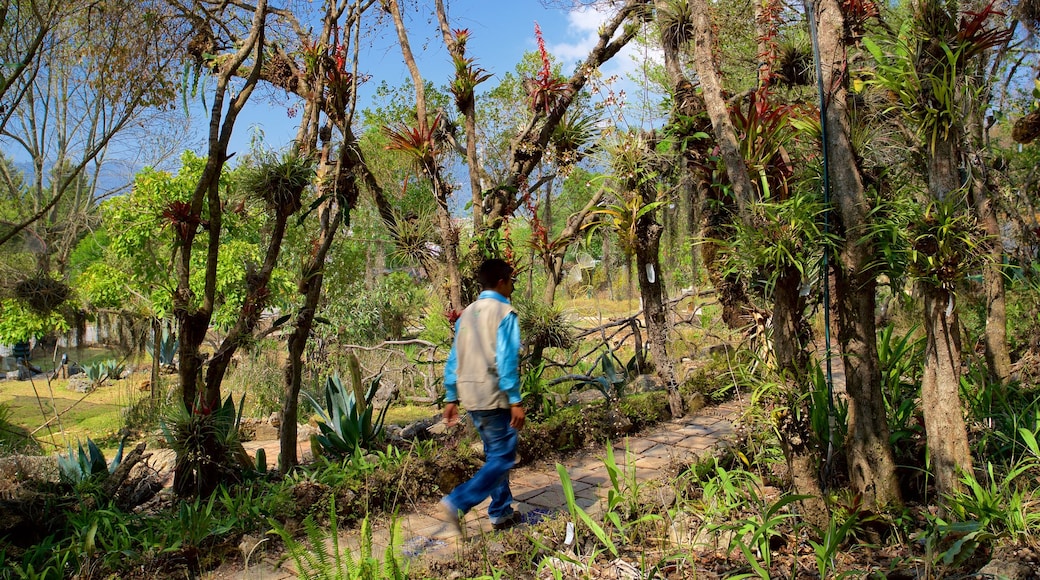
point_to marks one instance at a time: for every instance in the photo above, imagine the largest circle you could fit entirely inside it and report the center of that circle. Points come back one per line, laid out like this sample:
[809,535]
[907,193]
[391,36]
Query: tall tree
[194,313]
[421,143]
[330,92]
[75,99]
[928,68]
[870,460]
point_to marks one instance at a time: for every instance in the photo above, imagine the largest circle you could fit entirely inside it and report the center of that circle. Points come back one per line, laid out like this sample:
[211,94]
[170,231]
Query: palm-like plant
[279,182]
[419,142]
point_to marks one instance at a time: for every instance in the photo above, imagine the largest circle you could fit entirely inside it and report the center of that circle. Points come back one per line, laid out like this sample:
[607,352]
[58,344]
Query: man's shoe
[450,515]
[508,522]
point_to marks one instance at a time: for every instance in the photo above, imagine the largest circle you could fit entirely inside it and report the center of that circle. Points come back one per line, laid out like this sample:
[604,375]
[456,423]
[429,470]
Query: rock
[12,375]
[162,461]
[80,385]
[418,430]
[1005,570]
[275,420]
[645,384]
[585,396]
[438,428]
[265,432]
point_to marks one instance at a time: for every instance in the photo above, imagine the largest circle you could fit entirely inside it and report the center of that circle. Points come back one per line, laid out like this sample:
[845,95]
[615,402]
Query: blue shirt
[507,356]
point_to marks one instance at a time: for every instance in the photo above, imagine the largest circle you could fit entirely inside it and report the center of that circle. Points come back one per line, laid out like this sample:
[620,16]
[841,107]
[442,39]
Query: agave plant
[346,422]
[86,464]
[106,369]
[613,380]
[168,346]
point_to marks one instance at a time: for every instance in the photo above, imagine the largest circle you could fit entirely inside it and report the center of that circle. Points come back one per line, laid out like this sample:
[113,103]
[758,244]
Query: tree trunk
[789,327]
[998,357]
[718,108]
[254,305]
[940,385]
[940,392]
[651,290]
[872,470]
[194,319]
[156,361]
[333,214]
[802,453]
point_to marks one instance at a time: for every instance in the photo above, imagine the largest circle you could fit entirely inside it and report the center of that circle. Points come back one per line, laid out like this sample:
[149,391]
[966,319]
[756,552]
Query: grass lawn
[98,414]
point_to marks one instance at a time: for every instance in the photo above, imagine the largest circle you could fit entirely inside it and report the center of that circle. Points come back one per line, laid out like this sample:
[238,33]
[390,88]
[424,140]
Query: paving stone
[635,445]
[666,437]
[550,498]
[661,451]
[651,464]
[697,430]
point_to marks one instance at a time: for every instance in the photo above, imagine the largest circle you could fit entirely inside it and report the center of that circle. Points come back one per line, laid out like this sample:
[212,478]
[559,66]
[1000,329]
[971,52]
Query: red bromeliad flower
[545,89]
[179,215]
[973,34]
[452,316]
[461,36]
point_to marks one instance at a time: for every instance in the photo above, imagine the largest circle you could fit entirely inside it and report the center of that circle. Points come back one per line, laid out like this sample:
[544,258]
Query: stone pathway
[538,492]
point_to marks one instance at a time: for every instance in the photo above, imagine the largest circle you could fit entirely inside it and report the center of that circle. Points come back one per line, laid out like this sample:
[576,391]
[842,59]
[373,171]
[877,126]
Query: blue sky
[501,31]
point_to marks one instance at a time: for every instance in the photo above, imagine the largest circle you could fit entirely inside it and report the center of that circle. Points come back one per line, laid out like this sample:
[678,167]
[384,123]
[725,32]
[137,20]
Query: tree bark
[651,289]
[998,357]
[789,327]
[872,470]
[718,108]
[940,384]
[940,392]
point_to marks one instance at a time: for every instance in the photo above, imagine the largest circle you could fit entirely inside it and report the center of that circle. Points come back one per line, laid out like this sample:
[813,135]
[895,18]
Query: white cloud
[583,24]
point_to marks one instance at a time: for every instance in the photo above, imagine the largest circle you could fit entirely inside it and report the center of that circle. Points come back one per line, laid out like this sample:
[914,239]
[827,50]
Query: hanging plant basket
[42,293]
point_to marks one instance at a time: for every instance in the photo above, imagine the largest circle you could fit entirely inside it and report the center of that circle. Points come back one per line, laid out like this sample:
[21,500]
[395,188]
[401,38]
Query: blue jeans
[493,479]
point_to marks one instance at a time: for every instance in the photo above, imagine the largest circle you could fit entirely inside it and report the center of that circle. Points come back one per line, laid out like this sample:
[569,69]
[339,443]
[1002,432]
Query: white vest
[475,345]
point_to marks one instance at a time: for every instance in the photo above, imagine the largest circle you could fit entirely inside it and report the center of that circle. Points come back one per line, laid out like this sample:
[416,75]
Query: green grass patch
[407,413]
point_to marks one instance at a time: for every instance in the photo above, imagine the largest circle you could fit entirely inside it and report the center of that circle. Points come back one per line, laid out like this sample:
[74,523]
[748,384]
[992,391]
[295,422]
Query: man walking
[482,374]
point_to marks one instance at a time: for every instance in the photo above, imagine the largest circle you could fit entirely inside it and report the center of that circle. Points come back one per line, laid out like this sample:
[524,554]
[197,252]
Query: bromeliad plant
[209,451]
[346,421]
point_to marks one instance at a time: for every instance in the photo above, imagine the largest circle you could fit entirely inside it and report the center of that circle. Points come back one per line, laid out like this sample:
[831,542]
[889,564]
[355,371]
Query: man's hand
[451,414]
[516,419]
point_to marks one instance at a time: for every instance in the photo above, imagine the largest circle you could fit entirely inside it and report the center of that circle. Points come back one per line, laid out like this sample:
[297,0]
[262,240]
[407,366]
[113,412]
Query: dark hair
[492,271]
